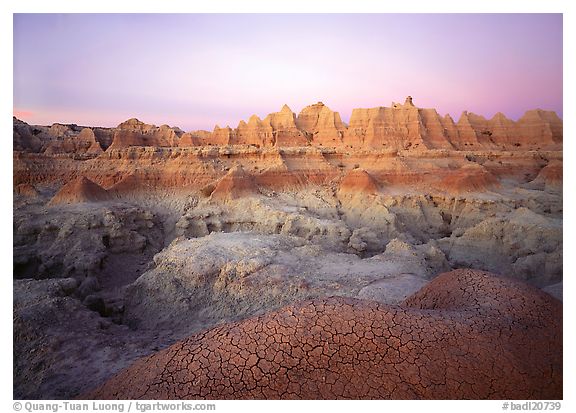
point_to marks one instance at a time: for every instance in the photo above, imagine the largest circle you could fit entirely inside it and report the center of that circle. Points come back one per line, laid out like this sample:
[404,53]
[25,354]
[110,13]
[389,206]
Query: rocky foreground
[467,334]
[129,239]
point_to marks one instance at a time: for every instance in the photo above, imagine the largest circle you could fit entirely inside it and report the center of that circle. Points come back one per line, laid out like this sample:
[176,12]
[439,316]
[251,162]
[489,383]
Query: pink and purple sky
[198,70]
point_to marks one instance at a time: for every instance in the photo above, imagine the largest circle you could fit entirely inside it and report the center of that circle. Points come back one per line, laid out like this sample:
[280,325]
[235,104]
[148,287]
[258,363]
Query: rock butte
[270,255]
[401,126]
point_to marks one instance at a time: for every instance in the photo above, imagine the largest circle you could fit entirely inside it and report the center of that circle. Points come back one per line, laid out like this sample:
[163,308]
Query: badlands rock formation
[83,143]
[60,139]
[230,276]
[136,133]
[400,126]
[65,347]
[321,124]
[140,235]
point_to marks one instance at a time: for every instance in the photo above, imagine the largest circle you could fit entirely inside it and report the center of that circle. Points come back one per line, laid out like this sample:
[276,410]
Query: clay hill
[79,190]
[235,184]
[466,335]
[403,254]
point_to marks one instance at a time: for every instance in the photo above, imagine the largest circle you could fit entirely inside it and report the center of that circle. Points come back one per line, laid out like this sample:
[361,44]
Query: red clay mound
[79,190]
[468,180]
[551,176]
[466,335]
[235,184]
[358,181]
[128,184]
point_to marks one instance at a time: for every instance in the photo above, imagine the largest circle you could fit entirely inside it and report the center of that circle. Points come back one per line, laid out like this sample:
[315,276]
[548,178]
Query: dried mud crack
[467,334]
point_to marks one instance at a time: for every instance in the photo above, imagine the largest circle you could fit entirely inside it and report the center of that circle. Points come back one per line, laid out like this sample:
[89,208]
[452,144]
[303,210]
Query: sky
[198,70]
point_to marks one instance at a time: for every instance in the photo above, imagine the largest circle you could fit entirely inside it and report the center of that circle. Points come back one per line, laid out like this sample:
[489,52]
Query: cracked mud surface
[467,335]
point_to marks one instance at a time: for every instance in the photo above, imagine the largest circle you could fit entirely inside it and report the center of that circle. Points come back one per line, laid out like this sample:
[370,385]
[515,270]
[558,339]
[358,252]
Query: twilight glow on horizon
[198,70]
